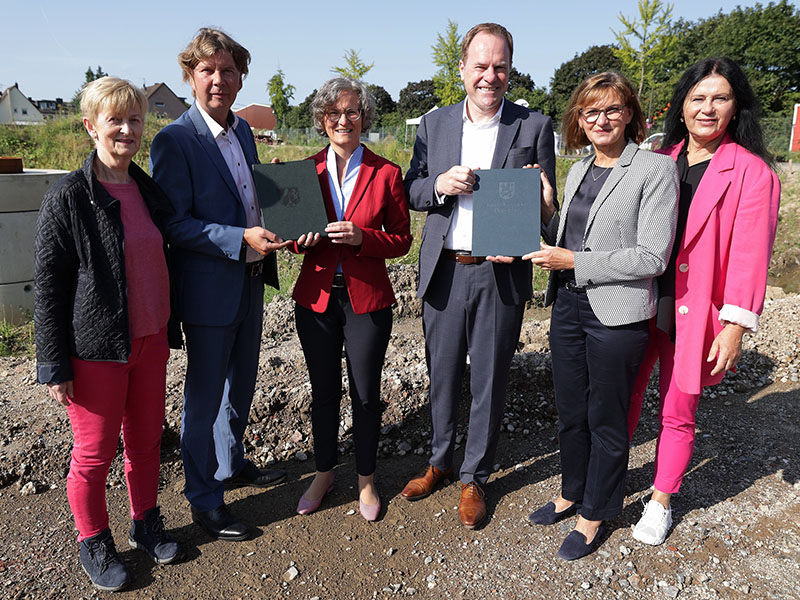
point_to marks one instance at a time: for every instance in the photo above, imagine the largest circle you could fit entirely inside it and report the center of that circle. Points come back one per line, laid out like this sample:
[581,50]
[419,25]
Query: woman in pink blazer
[343,295]
[713,290]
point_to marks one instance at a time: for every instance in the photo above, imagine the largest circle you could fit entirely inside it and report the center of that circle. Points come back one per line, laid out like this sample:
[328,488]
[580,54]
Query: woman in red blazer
[713,289]
[343,294]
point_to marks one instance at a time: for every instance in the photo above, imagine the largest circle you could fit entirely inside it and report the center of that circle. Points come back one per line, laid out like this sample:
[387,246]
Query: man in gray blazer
[472,305]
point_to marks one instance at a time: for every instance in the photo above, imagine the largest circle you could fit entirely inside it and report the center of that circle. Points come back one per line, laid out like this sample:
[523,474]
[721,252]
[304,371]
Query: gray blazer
[628,237]
[525,137]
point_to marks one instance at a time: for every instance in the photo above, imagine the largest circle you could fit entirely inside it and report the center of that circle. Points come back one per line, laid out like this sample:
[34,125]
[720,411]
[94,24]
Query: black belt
[338,281]
[255,269]
[462,257]
[573,287]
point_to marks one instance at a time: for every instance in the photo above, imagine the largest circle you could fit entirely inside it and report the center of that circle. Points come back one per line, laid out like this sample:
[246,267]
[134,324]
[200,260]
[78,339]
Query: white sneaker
[652,528]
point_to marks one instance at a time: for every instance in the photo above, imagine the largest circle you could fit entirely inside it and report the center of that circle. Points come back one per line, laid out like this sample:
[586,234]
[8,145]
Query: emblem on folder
[506,191]
[290,197]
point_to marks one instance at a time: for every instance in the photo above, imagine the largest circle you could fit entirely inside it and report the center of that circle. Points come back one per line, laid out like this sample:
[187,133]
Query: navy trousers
[594,369]
[221,368]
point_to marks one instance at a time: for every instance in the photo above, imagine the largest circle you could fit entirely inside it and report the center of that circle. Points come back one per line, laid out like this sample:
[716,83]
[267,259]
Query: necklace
[603,171]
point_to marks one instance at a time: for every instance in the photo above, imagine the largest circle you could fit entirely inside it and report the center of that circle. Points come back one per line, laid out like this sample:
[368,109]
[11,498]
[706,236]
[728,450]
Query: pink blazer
[723,256]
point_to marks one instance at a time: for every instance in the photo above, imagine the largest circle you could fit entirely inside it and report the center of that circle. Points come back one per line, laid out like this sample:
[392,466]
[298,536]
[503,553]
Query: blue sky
[47,46]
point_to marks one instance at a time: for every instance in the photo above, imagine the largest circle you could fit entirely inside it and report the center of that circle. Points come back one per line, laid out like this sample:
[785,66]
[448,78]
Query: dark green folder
[506,212]
[290,199]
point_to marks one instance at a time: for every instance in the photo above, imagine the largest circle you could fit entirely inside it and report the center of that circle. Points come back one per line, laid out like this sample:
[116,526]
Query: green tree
[89,76]
[646,44]
[762,39]
[417,98]
[299,117]
[280,93]
[384,105]
[354,67]
[521,86]
[446,55]
[570,74]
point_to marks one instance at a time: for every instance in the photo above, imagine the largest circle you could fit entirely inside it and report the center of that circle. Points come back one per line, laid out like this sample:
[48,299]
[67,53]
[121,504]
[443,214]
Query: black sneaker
[148,534]
[102,564]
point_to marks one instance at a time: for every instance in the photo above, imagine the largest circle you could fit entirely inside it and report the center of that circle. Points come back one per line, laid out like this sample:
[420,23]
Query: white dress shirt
[232,152]
[478,141]
[341,193]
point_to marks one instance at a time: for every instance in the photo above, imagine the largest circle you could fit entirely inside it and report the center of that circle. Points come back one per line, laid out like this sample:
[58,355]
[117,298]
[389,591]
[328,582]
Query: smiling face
[485,74]
[344,133]
[606,135]
[708,108]
[117,137]
[215,82]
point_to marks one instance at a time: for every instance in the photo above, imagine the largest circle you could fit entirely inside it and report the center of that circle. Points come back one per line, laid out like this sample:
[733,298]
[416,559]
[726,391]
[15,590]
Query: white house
[16,108]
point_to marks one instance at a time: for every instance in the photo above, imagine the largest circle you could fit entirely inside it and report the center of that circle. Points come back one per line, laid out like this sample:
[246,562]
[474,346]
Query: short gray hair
[328,95]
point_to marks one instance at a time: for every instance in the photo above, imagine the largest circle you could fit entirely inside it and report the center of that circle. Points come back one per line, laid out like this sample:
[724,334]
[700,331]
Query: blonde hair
[113,95]
[206,44]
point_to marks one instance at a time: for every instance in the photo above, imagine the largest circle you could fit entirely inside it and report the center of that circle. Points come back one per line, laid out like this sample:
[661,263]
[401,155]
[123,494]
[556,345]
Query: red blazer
[724,254]
[378,206]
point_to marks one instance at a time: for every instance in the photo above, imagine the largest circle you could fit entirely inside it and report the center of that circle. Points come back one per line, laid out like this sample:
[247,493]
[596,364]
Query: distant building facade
[162,101]
[259,116]
[15,107]
[51,108]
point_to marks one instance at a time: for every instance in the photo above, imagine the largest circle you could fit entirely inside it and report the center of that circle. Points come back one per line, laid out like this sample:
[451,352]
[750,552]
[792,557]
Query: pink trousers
[675,443]
[110,396]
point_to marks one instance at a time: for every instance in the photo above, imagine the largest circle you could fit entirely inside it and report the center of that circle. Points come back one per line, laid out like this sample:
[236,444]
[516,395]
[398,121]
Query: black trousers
[594,369]
[365,339]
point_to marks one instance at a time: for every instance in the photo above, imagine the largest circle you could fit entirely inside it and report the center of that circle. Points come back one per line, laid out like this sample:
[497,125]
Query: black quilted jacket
[81,305]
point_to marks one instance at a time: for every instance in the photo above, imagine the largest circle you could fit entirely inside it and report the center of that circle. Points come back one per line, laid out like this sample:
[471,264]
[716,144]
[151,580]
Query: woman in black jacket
[101,313]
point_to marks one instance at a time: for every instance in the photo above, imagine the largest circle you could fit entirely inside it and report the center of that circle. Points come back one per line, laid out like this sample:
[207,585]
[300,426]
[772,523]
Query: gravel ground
[737,531]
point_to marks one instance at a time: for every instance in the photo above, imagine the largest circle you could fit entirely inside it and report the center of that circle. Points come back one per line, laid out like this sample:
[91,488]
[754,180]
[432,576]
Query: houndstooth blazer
[628,237]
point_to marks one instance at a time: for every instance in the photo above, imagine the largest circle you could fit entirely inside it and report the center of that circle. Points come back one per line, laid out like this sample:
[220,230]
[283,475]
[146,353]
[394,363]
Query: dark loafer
[252,476]
[547,515]
[574,545]
[221,524]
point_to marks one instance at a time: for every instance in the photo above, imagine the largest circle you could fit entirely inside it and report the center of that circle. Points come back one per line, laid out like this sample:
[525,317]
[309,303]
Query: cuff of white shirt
[440,199]
[739,316]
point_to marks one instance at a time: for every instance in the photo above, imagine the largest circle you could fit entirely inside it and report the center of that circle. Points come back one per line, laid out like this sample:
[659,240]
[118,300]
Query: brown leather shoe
[423,483]
[472,507]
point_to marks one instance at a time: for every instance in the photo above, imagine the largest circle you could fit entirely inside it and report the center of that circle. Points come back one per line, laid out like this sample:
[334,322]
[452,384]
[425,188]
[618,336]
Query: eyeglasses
[351,114]
[612,113]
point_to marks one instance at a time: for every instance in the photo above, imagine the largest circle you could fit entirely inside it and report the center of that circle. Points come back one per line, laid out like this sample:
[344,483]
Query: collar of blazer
[365,174]
[209,144]
[580,168]
[510,122]
[713,185]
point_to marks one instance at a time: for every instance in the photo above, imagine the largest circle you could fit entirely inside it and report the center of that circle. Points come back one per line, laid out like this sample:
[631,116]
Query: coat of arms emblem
[506,191]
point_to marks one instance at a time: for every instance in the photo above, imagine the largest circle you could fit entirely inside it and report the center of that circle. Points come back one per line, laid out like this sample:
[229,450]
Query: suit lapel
[451,138]
[712,188]
[365,173]
[616,175]
[569,193]
[506,134]
[322,174]
[209,144]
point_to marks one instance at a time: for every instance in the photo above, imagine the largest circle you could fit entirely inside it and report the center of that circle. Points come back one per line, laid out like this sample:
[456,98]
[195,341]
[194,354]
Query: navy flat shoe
[574,545]
[547,515]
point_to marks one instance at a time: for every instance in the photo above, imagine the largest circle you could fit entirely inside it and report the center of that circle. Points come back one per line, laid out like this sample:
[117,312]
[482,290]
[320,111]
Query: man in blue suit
[220,259]
[471,305]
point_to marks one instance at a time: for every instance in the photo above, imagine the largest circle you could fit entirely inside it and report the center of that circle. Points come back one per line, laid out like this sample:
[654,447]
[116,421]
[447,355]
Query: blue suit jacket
[524,137]
[205,234]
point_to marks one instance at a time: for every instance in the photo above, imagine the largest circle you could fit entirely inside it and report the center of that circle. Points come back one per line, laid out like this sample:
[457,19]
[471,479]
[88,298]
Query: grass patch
[16,340]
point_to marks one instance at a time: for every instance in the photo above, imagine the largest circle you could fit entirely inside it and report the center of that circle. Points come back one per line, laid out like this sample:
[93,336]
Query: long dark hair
[744,127]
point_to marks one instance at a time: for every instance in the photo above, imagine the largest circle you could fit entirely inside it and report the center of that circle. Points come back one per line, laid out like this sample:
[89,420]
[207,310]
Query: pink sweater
[145,265]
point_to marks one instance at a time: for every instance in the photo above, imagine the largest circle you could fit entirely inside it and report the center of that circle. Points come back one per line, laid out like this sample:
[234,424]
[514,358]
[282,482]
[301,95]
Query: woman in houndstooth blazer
[611,239]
